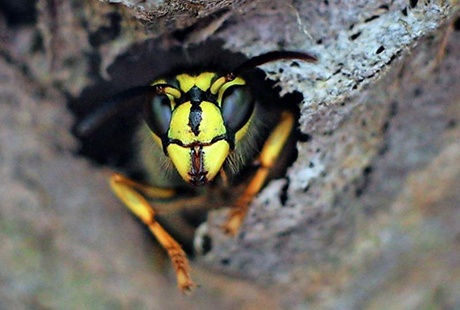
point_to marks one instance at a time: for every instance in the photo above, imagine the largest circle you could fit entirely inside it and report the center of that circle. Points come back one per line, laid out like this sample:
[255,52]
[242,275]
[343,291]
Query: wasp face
[199,122]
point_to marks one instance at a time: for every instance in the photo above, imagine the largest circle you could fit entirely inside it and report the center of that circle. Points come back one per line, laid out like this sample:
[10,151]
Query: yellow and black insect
[201,126]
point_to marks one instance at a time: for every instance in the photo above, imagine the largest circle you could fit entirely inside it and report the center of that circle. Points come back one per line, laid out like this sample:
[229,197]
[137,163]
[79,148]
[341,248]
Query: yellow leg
[126,190]
[270,152]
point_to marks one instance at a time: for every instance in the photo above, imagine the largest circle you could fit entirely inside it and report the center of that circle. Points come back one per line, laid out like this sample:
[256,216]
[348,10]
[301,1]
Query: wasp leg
[148,190]
[269,154]
[126,191]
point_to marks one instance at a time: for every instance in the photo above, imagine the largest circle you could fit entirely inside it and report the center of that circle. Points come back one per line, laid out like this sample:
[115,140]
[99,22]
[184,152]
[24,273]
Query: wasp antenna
[272,56]
[113,106]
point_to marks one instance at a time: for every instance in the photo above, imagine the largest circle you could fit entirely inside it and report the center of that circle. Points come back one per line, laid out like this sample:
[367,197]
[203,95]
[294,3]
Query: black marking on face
[196,95]
[194,119]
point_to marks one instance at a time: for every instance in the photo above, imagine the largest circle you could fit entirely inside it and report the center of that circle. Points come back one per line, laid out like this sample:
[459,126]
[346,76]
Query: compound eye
[157,114]
[237,106]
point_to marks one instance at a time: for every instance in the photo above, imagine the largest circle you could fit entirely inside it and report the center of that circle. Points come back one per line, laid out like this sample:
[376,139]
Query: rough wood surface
[372,215]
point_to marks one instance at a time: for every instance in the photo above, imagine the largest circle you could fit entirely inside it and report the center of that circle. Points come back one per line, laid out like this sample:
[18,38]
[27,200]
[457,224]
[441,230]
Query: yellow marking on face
[171,91]
[221,84]
[159,81]
[181,158]
[217,84]
[237,81]
[202,81]
[214,156]
[211,125]
[243,130]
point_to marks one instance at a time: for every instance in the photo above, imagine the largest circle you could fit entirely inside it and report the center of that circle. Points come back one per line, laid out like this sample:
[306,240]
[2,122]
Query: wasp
[199,126]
